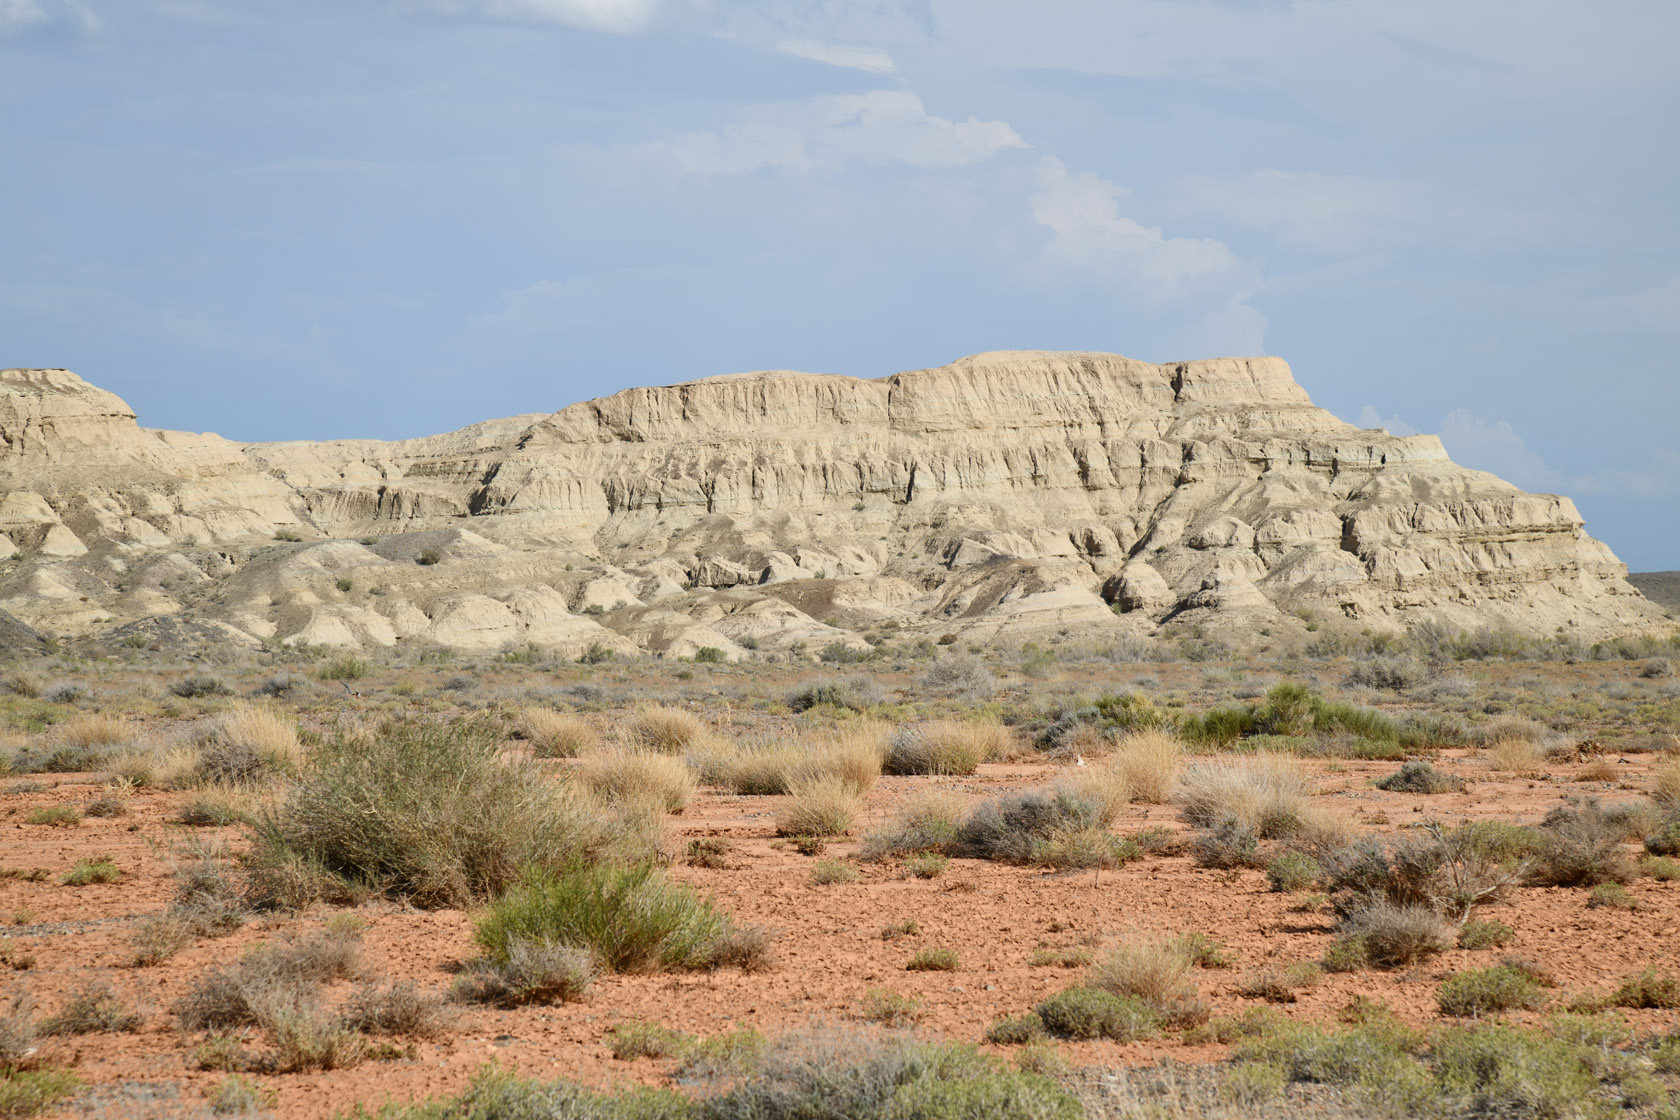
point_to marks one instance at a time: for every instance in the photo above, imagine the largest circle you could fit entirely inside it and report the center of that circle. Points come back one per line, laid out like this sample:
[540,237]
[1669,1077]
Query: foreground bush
[947,748]
[814,1076]
[430,813]
[633,919]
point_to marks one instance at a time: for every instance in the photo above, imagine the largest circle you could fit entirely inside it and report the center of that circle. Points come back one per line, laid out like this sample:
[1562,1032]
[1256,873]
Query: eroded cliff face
[1007,496]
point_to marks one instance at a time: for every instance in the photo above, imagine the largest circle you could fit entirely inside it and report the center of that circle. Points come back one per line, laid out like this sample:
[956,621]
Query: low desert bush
[961,673]
[1665,841]
[669,730]
[1516,754]
[398,1008]
[1293,871]
[828,872]
[27,1092]
[1014,828]
[1279,983]
[57,816]
[1446,871]
[1020,1030]
[944,747]
[555,734]
[824,806]
[1103,787]
[1081,1014]
[634,919]
[346,668]
[636,1038]
[93,1009]
[1484,935]
[858,694]
[1390,936]
[890,1009]
[1583,847]
[1420,777]
[271,984]
[195,688]
[529,971]
[90,871]
[428,812]
[1648,989]
[1487,991]
[929,822]
[934,960]
[1084,847]
[620,776]
[1226,846]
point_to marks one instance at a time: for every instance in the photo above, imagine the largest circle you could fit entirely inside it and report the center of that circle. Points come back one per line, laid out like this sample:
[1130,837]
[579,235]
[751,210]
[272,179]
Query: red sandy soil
[829,947]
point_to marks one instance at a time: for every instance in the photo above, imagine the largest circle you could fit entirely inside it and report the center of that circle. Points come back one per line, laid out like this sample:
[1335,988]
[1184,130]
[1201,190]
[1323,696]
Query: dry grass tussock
[1665,785]
[946,747]
[1266,794]
[774,767]
[668,730]
[1157,972]
[555,734]
[929,822]
[1515,755]
[1149,761]
[1105,787]
[94,730]
[823,806]
[628,775]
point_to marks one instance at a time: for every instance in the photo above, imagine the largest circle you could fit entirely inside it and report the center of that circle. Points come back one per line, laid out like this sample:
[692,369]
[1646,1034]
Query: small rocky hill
[1008,496]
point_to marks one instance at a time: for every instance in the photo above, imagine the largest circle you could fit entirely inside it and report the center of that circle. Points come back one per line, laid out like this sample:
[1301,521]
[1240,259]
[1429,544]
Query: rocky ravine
[1018,495]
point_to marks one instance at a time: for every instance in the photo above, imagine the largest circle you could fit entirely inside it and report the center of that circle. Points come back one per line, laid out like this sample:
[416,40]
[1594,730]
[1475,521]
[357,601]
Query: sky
[388,218]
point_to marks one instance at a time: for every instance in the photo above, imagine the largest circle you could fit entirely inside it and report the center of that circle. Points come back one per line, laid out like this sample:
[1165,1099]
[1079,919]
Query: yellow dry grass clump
[1103,785]
[1149,762]
[1158,972]
[1515,754]
[1665,784]
[668,730]
[555,734]
[93,730]
[824,806]
[772,767]
[624,774]
[272,735]
[1266,793]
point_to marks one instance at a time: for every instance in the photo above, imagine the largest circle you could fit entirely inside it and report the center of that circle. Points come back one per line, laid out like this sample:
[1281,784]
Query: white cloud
[17,16]
[616,16]
[1497,448]
[825,133]
[868,59]
[1369,417]
[1336,213]
[1089,234]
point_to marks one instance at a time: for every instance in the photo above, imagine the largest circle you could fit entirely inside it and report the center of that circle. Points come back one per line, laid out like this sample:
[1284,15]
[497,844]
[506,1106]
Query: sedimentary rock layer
[1007,496]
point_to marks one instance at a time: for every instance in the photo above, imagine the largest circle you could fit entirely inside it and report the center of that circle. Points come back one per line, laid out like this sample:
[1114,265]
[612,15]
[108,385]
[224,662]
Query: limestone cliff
[1005,496]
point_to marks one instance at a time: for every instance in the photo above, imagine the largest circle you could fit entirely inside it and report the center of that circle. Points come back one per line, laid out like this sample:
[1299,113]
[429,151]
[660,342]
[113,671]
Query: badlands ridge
[1016,496]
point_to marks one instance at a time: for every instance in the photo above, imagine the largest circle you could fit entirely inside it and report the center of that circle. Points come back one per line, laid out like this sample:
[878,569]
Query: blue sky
[327,218]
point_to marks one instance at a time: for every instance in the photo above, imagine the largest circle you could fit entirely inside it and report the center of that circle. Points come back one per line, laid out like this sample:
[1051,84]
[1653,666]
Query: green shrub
[709,655]
[1014,828]
[1088,1013]
[1018,1031]
[29,1092]
[927,865]
[89,871]
[1293,871]
[636,1038]
[830,871]
[1393,936]
[92,1010]
[1347,954]
[890,1008]
[1501,1070]
[1612,896]
[634,919]
[430,813]
[1648,988]
[934,960]
[1583,848]
[1666,840]
[195,688]
[346,668]
[58,816]
[1660,868]
[1484,935]
[1487,991]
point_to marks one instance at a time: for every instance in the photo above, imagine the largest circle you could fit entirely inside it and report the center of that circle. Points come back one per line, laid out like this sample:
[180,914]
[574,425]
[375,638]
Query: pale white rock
[994,497]
[60,541]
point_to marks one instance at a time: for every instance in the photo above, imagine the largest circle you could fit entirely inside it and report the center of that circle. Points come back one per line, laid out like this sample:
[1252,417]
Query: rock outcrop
[1004,497]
